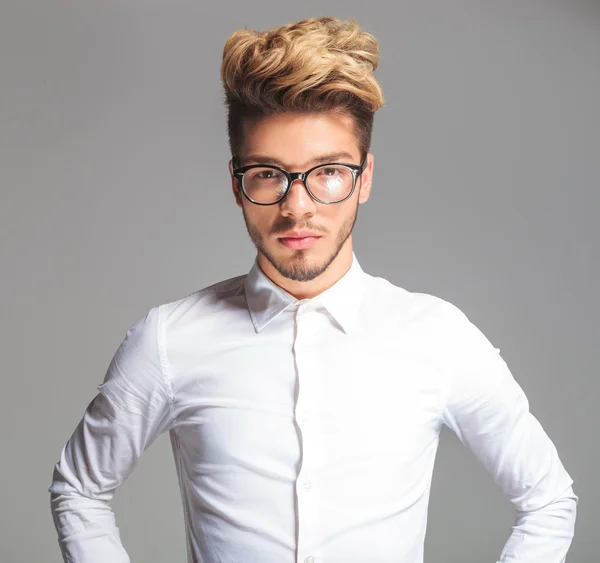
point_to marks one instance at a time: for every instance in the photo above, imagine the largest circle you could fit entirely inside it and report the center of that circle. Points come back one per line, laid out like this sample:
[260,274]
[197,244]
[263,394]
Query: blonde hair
[313,65]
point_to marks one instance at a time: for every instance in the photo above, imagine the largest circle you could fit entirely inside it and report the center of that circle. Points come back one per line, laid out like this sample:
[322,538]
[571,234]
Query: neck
[309,289]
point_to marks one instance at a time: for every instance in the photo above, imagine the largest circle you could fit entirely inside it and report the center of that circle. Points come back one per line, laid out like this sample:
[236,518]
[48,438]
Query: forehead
[297,139]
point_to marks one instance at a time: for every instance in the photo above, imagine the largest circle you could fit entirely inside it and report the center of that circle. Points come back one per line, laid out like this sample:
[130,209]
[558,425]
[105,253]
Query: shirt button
[309,559]
[307,485]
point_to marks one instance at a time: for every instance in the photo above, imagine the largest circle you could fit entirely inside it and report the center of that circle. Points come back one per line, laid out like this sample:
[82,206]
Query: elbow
[78,517]
[567,507]
[556,518]
[70,501]
[566,504]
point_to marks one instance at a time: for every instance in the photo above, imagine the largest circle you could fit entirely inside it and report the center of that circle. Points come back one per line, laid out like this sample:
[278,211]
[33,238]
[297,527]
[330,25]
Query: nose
[298,200]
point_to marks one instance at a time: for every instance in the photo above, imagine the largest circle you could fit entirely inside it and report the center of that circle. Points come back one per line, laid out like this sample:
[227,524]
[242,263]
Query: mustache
[285,227]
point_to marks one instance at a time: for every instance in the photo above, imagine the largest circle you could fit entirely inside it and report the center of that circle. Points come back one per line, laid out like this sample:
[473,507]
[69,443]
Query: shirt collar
[266,300]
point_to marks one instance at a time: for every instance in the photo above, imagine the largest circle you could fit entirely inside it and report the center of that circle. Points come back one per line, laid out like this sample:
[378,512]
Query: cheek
[262,219]
[347,214]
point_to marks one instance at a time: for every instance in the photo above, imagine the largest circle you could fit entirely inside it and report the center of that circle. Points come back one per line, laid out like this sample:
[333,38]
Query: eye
[263,175]
[330,171]
[266,174]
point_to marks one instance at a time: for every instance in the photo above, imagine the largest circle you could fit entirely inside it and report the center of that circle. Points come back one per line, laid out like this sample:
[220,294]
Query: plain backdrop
[115,197]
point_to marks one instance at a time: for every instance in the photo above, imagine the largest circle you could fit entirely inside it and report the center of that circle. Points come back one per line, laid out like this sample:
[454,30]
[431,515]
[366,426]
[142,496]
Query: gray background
[115,197]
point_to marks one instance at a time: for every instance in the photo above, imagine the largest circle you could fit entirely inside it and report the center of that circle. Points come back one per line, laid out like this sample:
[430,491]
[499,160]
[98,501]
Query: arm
[489,412]
[132,408]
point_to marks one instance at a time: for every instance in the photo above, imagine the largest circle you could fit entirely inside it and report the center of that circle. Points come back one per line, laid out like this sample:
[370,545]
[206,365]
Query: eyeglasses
[327,183]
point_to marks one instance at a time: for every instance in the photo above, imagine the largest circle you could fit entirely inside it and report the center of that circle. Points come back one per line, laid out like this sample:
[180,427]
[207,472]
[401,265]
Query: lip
[299,243]
[300,234]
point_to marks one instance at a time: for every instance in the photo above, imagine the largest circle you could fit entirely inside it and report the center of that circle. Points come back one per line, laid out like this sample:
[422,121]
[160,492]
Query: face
[298,142]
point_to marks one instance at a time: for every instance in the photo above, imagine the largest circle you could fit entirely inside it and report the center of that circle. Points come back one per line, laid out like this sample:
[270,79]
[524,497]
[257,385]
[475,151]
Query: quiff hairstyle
[314,65]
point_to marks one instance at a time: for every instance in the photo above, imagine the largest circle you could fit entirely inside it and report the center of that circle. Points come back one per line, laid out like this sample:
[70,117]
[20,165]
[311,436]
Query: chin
[300,253]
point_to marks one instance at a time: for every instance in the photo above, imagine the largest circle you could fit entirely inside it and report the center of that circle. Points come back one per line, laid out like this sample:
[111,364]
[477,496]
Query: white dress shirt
[305,431]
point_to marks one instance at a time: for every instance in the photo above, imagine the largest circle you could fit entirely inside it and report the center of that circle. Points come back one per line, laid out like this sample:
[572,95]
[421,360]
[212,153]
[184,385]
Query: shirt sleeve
[133,407]
[489,412]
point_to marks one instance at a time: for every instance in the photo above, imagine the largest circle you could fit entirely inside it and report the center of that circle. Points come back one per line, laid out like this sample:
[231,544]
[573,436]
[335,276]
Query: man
[305,400]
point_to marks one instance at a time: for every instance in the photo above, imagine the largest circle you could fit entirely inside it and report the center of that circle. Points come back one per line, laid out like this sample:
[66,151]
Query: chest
[304,388]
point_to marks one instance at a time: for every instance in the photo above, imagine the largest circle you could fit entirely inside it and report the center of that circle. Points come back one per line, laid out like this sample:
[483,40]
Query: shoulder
[142,353]
[203,301]
[429,322]
[417,307]
[144,335]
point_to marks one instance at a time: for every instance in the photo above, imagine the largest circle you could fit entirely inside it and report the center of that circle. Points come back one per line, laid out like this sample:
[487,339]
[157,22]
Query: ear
[365,181]
[235,186]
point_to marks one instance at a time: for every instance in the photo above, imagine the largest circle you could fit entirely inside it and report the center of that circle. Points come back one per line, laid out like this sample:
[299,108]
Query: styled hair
[314,65]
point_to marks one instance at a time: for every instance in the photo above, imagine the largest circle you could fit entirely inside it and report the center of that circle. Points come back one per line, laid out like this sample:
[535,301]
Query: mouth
[299,242]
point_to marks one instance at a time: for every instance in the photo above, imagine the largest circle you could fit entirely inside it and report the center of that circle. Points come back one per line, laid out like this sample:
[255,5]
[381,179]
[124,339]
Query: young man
[305,400]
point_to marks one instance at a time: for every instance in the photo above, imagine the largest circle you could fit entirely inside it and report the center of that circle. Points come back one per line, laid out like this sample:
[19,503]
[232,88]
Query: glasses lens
[330,183]
[264,184]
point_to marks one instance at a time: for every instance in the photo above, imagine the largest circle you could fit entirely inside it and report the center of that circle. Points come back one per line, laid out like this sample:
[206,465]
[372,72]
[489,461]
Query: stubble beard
[297,268]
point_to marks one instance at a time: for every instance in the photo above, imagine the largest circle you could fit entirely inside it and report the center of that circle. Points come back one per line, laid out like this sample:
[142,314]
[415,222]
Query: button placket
[307,365]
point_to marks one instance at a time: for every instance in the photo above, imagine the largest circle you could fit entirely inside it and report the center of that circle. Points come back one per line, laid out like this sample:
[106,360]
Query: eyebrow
[324,159]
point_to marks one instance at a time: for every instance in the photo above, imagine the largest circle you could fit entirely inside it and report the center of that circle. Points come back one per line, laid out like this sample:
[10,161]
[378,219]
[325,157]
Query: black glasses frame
[356,170]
